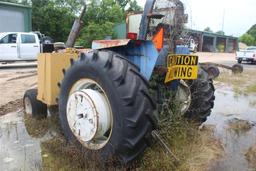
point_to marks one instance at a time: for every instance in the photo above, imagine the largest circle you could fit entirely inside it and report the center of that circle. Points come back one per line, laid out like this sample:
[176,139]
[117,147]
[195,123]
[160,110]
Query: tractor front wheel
[105,108]
[32,106]
[202,97]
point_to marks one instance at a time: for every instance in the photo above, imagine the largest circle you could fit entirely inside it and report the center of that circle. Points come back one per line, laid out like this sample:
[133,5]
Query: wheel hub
[27,106]
[183,95]
[88,115]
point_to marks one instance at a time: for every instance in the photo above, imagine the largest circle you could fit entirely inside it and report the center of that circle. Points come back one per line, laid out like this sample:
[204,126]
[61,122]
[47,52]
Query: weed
[242,84]
[251,88]
[251,156]
[239,126]
[253,103]
[36,128]
[197,150]
[57,153]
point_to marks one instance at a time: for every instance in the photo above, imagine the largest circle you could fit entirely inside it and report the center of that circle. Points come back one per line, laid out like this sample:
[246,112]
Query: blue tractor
[105,102]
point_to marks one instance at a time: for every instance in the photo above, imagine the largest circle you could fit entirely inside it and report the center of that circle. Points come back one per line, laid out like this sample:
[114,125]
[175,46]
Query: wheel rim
[183,96]
[27,106]
[89,114]
[47,42]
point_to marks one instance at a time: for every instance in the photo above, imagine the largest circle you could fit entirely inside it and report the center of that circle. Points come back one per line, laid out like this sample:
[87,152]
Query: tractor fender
[142,53]
[106,44]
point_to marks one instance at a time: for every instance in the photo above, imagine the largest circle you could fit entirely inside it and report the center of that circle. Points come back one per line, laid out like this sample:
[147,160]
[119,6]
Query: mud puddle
[234,119]
[18,150]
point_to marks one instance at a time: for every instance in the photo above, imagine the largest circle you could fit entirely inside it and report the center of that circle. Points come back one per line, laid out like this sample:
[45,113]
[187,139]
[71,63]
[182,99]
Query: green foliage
[99,21]
[106,10]
[208,29]
[95,31]
[134,7]
[122,3]
[51,19]
[252,31]
[220,32]
[248,39]
[72,5]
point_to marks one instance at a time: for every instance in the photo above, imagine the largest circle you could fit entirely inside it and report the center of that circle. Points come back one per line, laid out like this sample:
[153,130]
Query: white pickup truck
[248,55]
[17,46]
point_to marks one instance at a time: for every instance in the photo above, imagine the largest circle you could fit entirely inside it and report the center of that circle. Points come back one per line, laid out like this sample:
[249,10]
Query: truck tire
[202,97]
[32,106]
[237,69]
[122,99]
[212,70]
[47,40]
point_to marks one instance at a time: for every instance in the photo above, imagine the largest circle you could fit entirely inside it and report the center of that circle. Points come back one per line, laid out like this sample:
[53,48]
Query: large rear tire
[120,85]
[202,97]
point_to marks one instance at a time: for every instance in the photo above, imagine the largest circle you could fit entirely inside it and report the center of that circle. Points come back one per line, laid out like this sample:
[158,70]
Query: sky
[238,16]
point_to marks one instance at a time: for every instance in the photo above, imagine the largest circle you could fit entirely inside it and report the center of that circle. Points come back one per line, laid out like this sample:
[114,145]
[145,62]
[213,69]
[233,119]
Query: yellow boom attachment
[50,73]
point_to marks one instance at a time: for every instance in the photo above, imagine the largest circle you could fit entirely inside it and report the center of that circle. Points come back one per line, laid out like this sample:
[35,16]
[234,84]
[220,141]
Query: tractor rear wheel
[105,107]
[202,97]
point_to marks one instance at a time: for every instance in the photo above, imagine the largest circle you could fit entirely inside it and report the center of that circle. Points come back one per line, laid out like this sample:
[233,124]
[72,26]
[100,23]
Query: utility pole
[223,20]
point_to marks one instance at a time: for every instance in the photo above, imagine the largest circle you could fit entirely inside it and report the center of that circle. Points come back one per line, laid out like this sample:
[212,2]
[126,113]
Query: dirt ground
[216,57]
[13,84]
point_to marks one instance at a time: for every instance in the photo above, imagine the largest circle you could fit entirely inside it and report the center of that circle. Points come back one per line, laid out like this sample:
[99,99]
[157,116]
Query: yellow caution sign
[182,67]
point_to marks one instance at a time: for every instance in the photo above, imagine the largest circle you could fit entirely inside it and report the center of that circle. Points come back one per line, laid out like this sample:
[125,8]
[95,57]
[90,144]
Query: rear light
[132,36]
[138,43]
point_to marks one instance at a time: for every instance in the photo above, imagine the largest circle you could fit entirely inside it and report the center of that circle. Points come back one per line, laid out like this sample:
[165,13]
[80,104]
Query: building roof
[14,5]
[210,34]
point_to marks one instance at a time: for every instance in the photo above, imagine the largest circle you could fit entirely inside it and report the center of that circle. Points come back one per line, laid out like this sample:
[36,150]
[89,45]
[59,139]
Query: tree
[247,39]
[73,5]
[134,7]
[99,20]
[220,32]
[122,3]
[252,31]
[95,31]
[208,29]
[106,10]
[51,19]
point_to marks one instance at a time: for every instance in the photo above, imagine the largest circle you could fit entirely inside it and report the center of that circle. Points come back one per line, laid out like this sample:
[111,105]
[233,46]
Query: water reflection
[232,109]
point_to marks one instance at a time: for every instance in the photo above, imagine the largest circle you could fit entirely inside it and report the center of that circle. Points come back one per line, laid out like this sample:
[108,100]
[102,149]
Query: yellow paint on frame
[50,66]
